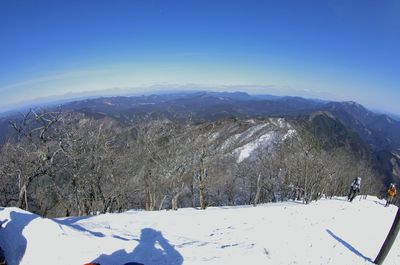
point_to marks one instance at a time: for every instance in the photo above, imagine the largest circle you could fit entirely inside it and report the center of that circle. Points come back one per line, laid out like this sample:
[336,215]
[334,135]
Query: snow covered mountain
[242,138]
[333,232]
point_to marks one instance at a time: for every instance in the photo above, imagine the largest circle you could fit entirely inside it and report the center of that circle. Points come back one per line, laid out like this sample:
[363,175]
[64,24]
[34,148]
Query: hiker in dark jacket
[354,189]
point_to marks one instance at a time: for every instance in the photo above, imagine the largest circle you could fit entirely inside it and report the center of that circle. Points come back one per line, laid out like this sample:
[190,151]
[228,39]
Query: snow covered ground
[324,232]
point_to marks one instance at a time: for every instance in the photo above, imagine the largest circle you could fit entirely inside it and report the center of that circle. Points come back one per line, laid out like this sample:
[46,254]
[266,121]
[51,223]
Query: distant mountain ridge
[344,123]
[378,130]
[203,105]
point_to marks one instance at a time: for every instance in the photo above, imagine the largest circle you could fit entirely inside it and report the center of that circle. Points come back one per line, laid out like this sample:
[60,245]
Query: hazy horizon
[154,90]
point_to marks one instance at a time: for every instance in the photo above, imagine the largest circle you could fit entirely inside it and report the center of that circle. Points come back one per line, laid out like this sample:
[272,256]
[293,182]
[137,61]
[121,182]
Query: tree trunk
[305,199]
[149,196]
[202,196]
[174,201]
[149,204]
[258,192]
[23,197]
[162,203]
[202,178]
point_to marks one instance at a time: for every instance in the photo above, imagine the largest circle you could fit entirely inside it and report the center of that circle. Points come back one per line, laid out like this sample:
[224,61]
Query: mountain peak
[354,104]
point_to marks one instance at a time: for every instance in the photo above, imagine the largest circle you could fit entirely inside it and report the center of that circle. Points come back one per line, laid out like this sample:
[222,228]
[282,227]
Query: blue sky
[338,50]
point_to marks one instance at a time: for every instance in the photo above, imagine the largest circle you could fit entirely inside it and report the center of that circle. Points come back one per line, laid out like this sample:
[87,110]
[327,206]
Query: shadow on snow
[348,246]
[153,249]
[71,222]
[15,249]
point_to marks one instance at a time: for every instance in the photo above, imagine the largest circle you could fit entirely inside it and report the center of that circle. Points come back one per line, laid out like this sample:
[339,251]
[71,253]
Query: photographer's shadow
[153,249]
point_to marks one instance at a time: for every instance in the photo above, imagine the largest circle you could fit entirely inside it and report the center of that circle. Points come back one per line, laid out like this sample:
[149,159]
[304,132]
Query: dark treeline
[61,164]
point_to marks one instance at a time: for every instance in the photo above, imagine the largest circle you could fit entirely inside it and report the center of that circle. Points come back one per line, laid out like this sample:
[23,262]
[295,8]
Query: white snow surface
[246,150]
[329,231]
[268,139]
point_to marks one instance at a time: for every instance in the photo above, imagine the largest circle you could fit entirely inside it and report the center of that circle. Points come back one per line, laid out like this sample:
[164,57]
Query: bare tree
[33,153]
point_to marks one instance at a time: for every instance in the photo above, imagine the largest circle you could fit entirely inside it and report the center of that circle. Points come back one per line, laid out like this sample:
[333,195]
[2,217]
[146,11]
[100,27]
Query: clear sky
[333,49]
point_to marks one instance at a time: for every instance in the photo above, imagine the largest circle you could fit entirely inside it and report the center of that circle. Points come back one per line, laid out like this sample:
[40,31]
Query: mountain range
[371,134]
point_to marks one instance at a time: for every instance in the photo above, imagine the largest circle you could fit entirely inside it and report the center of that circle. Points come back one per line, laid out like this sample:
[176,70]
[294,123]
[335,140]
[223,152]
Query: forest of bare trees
[61,164]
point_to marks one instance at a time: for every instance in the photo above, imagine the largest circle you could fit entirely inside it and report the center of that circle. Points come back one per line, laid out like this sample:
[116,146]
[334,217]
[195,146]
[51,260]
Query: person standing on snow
[354,188]
[391,193]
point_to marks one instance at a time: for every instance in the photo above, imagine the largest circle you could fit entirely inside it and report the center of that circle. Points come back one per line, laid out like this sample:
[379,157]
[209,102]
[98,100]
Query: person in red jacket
[391,193]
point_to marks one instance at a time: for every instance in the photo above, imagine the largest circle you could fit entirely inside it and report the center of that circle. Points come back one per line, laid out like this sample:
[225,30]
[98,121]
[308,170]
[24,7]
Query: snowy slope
[242,141]
[324,232]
